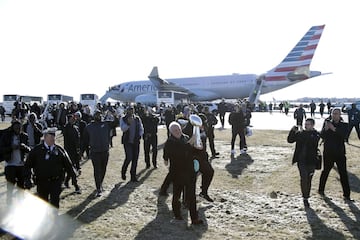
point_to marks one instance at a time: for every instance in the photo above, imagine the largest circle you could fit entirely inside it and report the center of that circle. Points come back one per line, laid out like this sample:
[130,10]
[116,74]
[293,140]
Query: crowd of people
[33,158]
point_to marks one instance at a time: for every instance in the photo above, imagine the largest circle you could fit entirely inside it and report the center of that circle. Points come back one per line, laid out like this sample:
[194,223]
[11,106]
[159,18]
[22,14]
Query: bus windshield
[56,97]
[87,97]
[10,97]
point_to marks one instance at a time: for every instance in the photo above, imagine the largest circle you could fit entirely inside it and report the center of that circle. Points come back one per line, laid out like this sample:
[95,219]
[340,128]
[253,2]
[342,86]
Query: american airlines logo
[141,88]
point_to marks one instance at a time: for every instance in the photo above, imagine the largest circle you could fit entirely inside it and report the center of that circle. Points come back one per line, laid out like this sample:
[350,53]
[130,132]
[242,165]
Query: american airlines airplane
[293,69]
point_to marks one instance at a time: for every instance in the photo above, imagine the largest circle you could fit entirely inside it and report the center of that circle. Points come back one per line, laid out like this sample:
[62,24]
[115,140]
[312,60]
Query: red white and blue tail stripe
[296,65]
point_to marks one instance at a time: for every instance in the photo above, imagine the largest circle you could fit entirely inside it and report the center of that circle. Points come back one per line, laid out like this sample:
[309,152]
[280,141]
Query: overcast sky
[75,47]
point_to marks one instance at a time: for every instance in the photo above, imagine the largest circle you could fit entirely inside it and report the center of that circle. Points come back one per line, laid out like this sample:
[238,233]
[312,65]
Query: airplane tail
[296,65]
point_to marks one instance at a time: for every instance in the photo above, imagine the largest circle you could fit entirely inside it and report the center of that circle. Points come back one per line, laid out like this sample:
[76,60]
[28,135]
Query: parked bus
[58,98]
[171,97]
[89,99]
[8,102]
[10,99]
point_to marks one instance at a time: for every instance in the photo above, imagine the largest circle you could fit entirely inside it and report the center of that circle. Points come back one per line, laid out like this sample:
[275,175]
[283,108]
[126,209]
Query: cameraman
[334,133]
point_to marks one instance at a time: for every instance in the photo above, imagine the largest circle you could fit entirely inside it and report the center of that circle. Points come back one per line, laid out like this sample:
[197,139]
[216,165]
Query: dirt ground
[257,196]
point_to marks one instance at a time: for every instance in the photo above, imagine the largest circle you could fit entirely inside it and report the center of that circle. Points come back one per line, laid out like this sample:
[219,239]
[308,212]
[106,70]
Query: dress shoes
[205,196]
[348,199]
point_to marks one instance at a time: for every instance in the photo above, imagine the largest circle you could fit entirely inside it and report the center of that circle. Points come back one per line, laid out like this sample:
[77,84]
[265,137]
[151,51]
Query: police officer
[150,123]
[47,164]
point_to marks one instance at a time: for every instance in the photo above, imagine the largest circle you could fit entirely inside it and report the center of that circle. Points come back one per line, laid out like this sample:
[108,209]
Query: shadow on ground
[238,164]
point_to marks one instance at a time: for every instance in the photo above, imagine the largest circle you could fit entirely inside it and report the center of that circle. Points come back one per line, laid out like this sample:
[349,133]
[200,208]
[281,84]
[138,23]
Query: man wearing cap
[133,129]
[47,164]
[96,138]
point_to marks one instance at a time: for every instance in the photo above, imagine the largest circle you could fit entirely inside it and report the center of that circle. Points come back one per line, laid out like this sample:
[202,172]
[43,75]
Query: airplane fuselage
[204,88]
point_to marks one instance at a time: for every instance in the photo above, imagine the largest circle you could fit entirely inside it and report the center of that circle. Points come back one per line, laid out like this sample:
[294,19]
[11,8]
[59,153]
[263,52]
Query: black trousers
[210,137]
[99,161]
[340,161]
[131,155]
[50,191]
[306,173]
[222,118]
[14,176]
[299,122]
[351,126]
[207,174]
[150,140]
[190,198]
[241,134]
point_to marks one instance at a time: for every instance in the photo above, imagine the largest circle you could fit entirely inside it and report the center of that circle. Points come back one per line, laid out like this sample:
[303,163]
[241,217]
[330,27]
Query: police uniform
[47,166]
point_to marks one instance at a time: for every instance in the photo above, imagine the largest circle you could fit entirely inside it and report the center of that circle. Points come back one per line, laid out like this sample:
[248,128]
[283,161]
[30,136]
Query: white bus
[90,100]
[58,98]
[171,97]
[10,99]
[8,102]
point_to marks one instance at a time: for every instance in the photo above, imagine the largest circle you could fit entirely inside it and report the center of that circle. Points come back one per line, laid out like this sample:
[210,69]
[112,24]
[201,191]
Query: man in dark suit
[150,123]
[334,133]
[179,151]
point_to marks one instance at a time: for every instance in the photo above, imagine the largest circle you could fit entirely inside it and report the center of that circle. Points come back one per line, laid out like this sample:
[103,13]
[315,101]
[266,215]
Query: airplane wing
[163,85]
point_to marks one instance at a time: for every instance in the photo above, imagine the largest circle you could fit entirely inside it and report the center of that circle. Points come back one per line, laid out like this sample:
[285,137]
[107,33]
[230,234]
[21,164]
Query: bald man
[179,151]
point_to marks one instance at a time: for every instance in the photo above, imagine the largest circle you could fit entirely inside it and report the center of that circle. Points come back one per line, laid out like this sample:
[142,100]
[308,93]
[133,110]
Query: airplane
[294,68]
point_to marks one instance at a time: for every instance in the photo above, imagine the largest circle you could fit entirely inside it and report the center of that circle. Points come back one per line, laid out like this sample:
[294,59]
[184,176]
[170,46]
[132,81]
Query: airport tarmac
[267,121]
[278,121]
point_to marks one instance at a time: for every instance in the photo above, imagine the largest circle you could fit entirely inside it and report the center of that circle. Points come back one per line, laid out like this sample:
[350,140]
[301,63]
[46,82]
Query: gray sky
[75,47]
